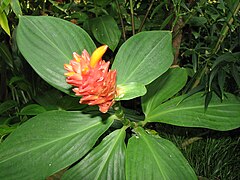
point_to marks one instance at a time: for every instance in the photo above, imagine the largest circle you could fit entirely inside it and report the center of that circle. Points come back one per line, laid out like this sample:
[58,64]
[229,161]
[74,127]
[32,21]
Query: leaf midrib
[108,154]
[152,151]
[184,108]
[135,69]
[54,45]
[50,142]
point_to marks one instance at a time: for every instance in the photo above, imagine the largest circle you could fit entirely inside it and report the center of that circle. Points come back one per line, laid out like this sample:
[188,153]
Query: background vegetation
[205,39]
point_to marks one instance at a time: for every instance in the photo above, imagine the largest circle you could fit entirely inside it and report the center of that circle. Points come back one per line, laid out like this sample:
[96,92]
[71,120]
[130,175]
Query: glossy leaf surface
[32,109]
[130,91]
[144,57]
[48,143]
[106,161]
[152,157]
[163,88]
[106,31]
[190,112]
[47,43]
[4,23]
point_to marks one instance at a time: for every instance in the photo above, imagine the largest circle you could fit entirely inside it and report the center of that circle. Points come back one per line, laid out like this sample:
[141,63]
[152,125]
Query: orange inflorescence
[92,78]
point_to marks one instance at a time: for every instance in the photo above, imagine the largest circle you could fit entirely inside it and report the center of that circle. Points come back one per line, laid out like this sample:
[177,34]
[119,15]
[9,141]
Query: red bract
[92,78]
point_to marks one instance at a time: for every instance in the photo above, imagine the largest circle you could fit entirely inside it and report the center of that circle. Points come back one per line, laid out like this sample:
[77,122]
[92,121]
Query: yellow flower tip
[68,67]
[85,70]
[69,74]
[97,55]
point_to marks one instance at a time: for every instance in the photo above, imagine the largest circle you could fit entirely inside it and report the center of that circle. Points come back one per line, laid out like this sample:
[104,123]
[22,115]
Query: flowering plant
[93,81]
[87,144]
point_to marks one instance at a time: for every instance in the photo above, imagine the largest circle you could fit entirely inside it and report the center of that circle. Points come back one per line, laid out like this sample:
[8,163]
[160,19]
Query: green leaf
[49,100]
[4,4]
[163,88]
[102,2]
[152,157]
[236,75]
[16,7]
[70,103]
[4,23]
[48,143]
[6,105]
[32,109]
[47,43]
[106,161]
[130,91]
[106,31]
[190,112]
[226,58]
[144,57]
[197,21]
[6,55]
[4,129]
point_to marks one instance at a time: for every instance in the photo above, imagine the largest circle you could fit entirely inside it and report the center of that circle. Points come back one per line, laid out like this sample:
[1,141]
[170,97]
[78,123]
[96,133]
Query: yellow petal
[69,73]
[97,55]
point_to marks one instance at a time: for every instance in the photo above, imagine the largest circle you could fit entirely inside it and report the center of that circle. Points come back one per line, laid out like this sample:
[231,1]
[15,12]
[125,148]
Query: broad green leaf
[32,109]
[48,143]
[6,105]
[47,43]
[16,7]
[152,157]
[130,91]
[163,88]
[190,112]
[4,23]
[144,57]
[106,31]
[54,100]
[106,161]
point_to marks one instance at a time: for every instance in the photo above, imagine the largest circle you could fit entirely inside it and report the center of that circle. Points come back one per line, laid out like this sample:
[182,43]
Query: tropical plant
[116,144]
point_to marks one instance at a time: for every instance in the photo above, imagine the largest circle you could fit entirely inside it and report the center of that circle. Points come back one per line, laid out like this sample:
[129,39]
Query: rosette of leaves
[90,145]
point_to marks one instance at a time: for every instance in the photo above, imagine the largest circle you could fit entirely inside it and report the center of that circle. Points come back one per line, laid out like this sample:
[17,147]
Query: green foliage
[163,88]
[48,143]
[190,112]
[56,133]
[215,157]
[130,91]
[4,23]
[143,62]
[51,36]
[159,156]
[7,105]
[106,31]
[106,161]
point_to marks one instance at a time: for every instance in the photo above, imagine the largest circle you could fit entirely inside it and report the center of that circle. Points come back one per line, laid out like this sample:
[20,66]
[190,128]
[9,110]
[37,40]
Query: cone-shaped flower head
[92,78]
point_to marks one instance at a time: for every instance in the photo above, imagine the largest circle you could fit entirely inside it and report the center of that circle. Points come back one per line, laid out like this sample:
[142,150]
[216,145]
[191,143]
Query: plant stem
[225,28]
[119,114]
[132,17]
[146,15]
[121,20]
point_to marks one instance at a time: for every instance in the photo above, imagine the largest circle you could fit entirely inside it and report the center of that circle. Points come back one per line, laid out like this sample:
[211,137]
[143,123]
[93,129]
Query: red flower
[92,78]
